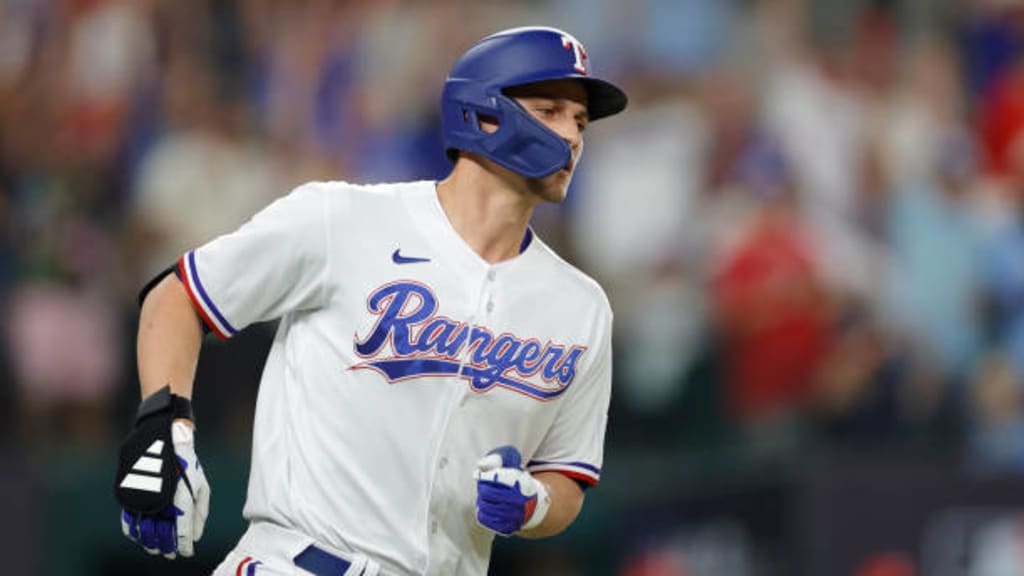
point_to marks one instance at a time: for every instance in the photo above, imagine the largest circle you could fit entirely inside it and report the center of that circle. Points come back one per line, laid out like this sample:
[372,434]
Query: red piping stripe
[241,565]
[195,301]
[575,475]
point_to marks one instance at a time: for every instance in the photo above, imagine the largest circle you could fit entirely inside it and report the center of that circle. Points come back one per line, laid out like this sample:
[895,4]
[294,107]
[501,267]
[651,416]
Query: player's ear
[487,123]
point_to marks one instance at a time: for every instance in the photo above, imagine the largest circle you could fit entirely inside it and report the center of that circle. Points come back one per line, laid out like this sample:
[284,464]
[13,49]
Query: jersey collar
[431,219]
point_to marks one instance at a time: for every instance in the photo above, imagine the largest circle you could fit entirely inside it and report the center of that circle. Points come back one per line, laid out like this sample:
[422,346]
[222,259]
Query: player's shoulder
[352,190]
[570,278]
[347,200]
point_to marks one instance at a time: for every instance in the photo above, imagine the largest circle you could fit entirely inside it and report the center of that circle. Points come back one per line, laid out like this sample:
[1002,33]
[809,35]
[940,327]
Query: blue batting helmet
[515,57]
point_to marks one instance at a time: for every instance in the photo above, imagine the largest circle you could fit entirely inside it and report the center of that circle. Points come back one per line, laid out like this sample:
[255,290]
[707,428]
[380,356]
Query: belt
[322,563]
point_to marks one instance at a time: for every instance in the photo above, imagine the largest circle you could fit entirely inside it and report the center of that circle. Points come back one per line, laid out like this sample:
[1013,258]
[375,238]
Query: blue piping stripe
[582,465]
[527,238]
[202,293]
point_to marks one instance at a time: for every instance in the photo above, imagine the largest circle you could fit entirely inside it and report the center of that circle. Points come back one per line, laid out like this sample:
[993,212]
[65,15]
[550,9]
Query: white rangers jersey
[401,358]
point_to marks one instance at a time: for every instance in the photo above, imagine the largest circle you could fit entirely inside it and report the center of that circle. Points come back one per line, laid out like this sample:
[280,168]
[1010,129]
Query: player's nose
[569,131]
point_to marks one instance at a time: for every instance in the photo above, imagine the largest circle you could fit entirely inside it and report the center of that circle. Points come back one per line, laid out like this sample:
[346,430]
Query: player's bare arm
[159,483]
[169,338]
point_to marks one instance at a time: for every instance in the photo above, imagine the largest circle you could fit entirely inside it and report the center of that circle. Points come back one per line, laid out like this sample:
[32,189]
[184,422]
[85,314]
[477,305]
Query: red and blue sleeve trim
[209,312]
[579,471]
[247,567]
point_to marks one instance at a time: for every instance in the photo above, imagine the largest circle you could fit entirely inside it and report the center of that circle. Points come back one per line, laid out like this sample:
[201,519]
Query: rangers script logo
[423,343]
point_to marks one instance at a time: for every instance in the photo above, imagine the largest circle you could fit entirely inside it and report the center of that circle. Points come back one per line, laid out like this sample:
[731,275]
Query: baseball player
[438,376]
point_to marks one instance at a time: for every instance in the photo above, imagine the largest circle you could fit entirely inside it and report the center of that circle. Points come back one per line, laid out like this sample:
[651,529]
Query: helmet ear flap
[475,119]
[462,105]
[521,143]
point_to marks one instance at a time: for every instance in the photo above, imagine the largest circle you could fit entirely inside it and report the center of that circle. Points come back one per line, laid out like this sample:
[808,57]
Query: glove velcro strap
[163,401]
[147,470]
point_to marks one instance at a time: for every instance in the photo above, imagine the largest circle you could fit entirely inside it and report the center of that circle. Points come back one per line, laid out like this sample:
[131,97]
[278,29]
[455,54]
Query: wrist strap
[164,402]
[541,508]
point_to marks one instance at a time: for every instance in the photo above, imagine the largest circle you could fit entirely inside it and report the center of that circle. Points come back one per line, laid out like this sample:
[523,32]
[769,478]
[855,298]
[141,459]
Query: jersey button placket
[491,277]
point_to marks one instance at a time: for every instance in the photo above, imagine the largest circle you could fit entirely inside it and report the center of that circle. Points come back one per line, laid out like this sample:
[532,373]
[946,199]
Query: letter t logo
[578,52]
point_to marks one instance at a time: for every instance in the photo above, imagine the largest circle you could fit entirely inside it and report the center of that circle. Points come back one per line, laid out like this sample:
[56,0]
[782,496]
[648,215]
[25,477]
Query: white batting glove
[175,529]
[192,495]
[509,499]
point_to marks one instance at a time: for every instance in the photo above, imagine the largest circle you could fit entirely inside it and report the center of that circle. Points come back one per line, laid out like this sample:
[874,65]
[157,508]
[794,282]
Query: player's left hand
[508,498]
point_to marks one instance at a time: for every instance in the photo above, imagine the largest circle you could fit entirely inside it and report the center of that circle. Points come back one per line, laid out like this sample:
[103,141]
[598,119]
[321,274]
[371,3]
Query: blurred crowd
[809,221]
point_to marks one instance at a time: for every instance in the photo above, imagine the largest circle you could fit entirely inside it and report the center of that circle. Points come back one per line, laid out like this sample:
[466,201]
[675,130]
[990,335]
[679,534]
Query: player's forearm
[169,339]
[566,503]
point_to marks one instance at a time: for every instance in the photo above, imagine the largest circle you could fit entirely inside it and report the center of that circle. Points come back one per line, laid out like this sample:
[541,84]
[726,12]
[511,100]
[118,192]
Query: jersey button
[443,462]
[491,275]
[433,526]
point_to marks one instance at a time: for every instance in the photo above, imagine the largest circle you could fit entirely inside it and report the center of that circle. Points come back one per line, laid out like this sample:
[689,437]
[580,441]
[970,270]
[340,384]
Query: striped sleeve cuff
[201,300]
[580,471]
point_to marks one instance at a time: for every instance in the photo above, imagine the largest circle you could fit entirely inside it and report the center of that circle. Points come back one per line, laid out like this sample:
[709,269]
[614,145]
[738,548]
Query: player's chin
[555,187]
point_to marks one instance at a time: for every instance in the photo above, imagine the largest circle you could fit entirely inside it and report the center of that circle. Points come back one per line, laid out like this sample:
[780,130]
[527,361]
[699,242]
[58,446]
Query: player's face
[561,105]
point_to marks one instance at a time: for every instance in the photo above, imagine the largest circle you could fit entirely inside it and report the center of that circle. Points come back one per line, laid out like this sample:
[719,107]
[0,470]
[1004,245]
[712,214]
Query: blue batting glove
[509,499]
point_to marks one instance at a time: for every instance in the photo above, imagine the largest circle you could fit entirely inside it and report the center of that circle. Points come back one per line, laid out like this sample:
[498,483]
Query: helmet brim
[603,98]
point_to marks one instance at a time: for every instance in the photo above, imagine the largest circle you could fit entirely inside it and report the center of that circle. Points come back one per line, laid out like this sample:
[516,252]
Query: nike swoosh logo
[399,259]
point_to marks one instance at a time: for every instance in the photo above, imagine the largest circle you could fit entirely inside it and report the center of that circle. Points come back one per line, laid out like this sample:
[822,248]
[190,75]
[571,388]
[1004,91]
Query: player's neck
[486,210]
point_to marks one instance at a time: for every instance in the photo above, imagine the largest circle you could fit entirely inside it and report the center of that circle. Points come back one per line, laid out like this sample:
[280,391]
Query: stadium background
[809,223]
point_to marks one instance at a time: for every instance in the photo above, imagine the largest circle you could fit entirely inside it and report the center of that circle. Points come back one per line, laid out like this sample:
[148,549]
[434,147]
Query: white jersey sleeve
[275,263]
[574,444]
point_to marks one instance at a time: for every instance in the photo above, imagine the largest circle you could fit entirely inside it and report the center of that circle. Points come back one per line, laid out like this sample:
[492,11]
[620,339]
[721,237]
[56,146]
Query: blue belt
[321,563]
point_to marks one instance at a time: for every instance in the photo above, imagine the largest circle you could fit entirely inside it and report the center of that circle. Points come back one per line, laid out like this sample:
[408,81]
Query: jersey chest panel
[413,310]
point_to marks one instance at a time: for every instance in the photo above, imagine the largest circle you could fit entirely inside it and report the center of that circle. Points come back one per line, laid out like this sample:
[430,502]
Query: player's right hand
[176,528]
[161,487]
